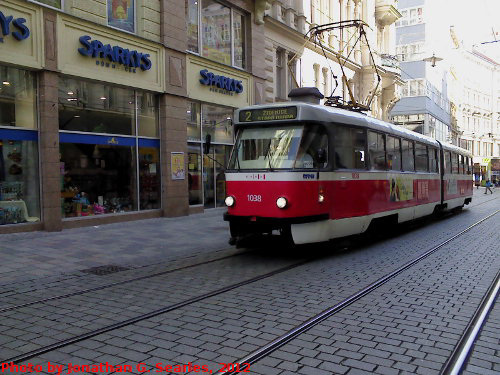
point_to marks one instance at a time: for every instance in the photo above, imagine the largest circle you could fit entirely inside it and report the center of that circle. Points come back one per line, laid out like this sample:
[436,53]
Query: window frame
[412,143]
[371,165]
[40,2]
[400,152]
[426,155]
[232,10]
[117,28]
[333,139]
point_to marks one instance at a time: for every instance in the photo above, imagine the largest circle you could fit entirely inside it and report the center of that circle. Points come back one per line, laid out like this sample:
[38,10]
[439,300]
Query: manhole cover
[104,270]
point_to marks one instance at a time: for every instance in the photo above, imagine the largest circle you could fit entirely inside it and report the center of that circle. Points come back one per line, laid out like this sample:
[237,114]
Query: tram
[315,173]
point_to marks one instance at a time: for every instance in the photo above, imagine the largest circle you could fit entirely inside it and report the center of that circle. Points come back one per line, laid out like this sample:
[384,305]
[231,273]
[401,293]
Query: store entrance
[214,186]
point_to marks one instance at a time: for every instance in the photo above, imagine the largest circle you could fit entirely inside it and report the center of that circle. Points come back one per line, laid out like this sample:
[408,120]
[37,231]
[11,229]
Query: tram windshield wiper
[268,155]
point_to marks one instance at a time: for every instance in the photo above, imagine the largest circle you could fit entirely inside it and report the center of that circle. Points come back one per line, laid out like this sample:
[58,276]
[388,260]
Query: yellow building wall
[147,15]
[71,62]
[198,91]
[27,52]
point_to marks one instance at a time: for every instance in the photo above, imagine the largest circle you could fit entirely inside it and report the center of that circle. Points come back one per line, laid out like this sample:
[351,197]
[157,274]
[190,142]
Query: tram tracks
[276,343]
[279,342]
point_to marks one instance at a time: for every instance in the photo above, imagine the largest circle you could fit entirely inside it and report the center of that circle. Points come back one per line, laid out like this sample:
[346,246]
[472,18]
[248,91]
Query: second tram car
[316,173]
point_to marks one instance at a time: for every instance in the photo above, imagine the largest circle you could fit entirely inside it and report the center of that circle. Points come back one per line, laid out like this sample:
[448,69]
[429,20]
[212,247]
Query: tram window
[467,164]
[393,153]
[376,149]
[314,138]
[461,164]
[408,156]
[447,162]
[433,160]
[421,157]
[454,163]
[349,148]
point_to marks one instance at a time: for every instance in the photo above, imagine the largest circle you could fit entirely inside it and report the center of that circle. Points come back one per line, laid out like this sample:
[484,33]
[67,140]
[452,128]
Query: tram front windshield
[278,147]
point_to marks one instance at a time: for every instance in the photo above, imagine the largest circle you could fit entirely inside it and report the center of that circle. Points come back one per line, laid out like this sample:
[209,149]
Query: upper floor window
[216,31]
[411,16]
[410,52]
[121,14]
[52,3]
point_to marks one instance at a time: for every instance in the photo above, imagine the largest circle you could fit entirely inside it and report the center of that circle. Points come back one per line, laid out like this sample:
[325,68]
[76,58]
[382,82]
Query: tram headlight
[281,202]
[321,198]
[229,201]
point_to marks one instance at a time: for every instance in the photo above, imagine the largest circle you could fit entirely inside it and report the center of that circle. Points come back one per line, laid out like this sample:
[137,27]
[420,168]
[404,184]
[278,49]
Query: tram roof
[322,113]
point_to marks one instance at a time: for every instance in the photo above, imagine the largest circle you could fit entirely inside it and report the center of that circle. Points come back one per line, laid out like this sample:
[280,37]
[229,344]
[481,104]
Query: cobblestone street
[209,303]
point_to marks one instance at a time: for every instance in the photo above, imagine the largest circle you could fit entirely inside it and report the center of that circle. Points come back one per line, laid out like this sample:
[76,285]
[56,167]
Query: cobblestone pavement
[29,259]
[409,325]
[485,357]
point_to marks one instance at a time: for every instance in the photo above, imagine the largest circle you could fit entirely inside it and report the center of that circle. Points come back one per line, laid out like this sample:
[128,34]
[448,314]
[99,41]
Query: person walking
[488,187]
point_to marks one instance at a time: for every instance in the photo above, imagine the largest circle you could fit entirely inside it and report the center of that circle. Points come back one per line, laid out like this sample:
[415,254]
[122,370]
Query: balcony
[386,12]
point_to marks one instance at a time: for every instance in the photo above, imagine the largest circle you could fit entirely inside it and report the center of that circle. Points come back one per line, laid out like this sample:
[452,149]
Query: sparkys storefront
[20,55]
[214,92]
[108,133]
[79,121]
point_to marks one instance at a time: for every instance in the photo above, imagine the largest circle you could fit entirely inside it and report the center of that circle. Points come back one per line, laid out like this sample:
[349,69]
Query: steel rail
[463,349]
[83,291]
[163,310]
[277,343]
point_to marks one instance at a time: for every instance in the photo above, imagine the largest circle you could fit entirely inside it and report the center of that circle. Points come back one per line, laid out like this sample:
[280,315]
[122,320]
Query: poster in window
[121,14]
[177,165]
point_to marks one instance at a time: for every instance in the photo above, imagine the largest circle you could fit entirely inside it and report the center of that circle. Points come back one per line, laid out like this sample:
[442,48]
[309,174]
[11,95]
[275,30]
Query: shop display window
[193,121]
[96,108]
[17,98]
[19,181]
[149,178]
[195,182]
[97,179]
[147,114]
[217,121]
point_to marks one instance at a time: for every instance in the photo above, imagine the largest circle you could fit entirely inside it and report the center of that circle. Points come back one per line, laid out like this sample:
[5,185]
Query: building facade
[425,104]
[105,106]
[476,99]
[293,60]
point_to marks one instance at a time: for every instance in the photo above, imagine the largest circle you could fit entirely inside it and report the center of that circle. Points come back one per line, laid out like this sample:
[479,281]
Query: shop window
[17,98]
[97,178]
[19,176]
[421,157]
[121,14]
[376,148]
[19,181]
[193,121]
[408,155]
[221,34]
[349,147]
[195,182]
[147,114]
[149,175]
[95,107]
[393,153]
[217,121]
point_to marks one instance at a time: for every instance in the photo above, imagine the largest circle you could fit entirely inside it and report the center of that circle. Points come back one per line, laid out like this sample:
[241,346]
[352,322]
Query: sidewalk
[34,255]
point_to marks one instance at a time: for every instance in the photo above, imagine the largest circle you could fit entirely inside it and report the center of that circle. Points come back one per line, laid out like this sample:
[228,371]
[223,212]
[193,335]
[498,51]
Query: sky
[474,22]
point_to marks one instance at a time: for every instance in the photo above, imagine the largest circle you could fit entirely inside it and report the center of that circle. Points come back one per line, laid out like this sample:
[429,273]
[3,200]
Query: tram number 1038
[254,198]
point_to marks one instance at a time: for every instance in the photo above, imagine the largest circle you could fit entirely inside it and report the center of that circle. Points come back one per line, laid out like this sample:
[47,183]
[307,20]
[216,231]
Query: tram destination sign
[269,114]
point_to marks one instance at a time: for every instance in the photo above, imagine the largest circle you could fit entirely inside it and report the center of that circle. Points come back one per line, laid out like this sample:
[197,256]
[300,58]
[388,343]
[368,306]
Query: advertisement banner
[177,165]
[121,14]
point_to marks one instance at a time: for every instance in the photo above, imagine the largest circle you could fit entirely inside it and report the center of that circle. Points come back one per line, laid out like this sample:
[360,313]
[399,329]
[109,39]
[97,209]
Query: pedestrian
[488,187]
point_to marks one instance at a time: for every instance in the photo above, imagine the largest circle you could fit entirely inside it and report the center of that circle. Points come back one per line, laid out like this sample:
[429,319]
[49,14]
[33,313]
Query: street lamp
[432,59]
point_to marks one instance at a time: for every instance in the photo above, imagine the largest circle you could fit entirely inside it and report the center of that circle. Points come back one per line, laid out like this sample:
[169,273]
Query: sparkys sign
[15,26]
[114,54]
[225,84]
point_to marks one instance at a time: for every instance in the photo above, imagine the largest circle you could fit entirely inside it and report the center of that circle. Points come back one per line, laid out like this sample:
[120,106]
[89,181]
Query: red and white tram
[316,173]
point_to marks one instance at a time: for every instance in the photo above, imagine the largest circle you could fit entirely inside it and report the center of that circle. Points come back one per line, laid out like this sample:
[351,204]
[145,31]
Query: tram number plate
[254,198]
[355,176]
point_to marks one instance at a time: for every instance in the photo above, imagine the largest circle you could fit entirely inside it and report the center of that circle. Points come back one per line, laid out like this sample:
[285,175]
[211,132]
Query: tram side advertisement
[269,114]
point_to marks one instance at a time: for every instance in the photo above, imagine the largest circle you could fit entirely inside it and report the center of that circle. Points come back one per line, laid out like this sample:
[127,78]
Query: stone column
[48,82]
[49,150]
[173,105]
[174,193]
